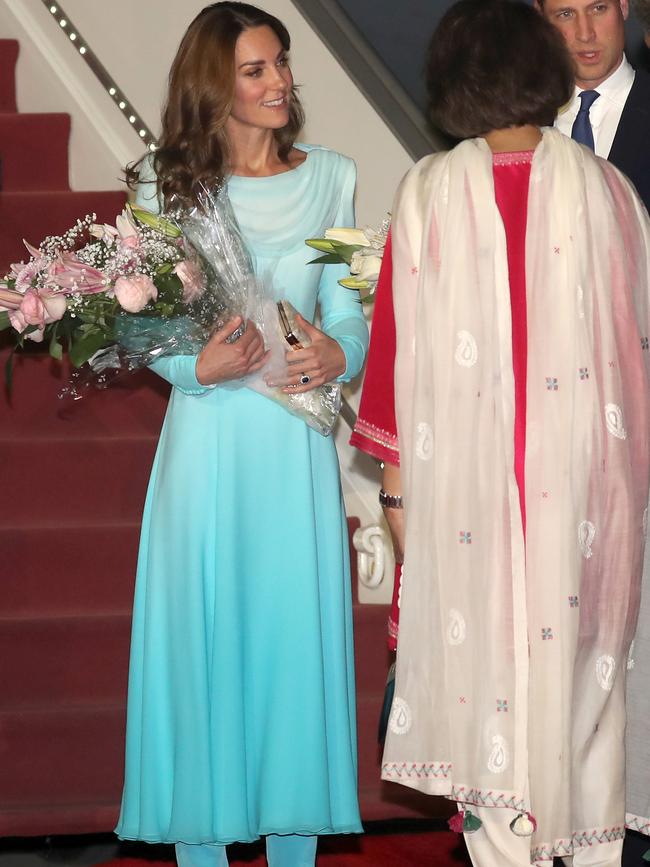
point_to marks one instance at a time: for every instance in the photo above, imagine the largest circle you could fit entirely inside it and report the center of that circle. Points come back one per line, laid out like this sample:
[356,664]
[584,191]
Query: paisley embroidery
[614,421]
[467,351]
[424,442]
[605,668]
[586,534]
[401,717]
[499,758]
[456,628]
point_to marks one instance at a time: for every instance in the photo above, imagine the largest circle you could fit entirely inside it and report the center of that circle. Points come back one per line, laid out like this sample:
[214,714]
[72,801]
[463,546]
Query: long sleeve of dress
[341,311]
[375,431]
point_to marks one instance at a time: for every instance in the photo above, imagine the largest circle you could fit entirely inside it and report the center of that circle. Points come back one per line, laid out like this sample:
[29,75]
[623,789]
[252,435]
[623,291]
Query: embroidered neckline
[513,158]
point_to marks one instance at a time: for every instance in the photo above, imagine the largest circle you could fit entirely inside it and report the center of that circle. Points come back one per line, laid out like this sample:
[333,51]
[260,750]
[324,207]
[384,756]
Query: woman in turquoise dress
[241,710]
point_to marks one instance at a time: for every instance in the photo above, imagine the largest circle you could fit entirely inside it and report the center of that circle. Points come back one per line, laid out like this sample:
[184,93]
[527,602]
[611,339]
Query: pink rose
[19,323]
[55,306]
[192,278]
[32,308]
[134,293]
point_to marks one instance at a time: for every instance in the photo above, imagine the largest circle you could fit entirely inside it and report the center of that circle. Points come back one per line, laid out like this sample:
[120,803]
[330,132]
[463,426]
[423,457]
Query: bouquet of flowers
[115,298]
[361,249]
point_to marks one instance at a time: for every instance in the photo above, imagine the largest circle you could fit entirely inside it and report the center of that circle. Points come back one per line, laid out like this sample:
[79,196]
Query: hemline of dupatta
[640,824]
[566,847]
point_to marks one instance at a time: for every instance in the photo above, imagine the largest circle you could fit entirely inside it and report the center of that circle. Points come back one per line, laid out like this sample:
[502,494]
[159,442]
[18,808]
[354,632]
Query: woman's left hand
[322,361]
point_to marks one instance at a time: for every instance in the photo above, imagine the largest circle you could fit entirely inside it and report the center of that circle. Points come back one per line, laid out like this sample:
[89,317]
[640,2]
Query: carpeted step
[34,152]
[89,665]
[82,481]
[134,405]
[96,572]
[35,215]
[8,56]
[67,760]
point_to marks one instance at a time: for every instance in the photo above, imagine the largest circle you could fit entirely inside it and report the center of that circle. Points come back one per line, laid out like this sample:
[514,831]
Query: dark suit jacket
[631,148]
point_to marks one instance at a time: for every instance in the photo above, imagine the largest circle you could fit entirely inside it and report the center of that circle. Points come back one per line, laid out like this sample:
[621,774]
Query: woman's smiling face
[263,81]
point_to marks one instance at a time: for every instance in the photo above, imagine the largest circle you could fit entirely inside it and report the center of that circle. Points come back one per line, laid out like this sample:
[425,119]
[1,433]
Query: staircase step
[71,757]
[98,575]
[74,480]
[8,56]
[35,215]
[64,662]
[34,152]
[132,406]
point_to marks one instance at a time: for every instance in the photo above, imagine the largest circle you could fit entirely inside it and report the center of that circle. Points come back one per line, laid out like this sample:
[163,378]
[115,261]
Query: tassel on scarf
[523,825]
[464,822]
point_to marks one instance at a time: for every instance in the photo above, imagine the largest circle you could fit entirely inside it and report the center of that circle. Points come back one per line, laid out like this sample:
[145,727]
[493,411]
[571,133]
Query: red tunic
[376,429]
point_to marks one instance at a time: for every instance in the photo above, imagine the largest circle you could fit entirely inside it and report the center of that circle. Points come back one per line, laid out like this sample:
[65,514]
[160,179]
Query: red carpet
[430,849]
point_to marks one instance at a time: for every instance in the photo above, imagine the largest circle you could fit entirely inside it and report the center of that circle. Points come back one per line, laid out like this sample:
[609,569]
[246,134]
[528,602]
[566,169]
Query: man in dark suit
[610,109]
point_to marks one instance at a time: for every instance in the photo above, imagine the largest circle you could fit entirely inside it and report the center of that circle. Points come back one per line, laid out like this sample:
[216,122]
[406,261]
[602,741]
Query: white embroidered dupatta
[511,657]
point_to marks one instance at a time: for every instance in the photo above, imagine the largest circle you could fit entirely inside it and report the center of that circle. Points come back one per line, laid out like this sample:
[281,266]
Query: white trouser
[494,845]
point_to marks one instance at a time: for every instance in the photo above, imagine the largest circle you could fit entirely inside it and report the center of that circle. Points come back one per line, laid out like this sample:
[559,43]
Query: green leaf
[322,244]
[327,259]
[4,320]
[86,346]
[154,221]
[56,350]
[354,283]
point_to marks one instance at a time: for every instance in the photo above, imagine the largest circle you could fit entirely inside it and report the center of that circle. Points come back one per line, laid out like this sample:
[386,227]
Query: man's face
[594,33]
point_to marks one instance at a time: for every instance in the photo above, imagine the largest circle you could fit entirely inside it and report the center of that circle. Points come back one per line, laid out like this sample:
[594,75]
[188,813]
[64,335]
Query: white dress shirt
[605,113]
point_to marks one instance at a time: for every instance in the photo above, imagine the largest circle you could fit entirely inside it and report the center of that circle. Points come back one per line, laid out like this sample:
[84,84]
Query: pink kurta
[375,431]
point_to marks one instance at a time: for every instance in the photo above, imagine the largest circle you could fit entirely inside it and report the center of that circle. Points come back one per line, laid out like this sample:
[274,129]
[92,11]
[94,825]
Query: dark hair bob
[494,64]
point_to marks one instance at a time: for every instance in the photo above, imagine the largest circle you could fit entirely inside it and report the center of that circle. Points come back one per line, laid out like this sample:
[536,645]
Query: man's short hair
[494,64]
[642,10]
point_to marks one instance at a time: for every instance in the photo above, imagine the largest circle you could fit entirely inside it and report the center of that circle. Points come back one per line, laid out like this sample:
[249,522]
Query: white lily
[352,237]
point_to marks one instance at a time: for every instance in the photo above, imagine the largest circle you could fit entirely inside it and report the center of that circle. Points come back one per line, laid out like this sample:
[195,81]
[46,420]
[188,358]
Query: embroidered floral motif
[614,421]
[573,601]
[502,705]
[456,628]
[467,351]
[424,442]
[551,383]
[584,372]
[414,269]
[481,798]
[401,718]
[465,537]
[499,757]
[605,668]
[547,633]
[586,534]
[644,343]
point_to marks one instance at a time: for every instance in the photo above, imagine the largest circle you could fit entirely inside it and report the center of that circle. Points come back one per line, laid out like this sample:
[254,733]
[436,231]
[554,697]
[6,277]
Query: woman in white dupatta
[523,416]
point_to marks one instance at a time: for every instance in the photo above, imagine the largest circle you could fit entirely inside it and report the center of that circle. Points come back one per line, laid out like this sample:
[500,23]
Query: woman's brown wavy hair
[193,149]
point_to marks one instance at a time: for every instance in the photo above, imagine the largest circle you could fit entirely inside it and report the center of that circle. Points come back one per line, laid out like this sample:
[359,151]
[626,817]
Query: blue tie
[582,131]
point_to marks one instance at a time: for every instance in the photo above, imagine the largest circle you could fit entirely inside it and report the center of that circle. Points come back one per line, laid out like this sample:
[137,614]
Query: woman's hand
[220,361]
[322,361]
[392,484]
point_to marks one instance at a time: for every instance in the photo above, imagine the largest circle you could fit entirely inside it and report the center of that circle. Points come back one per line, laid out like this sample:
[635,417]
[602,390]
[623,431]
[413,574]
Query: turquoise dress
[241,709]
